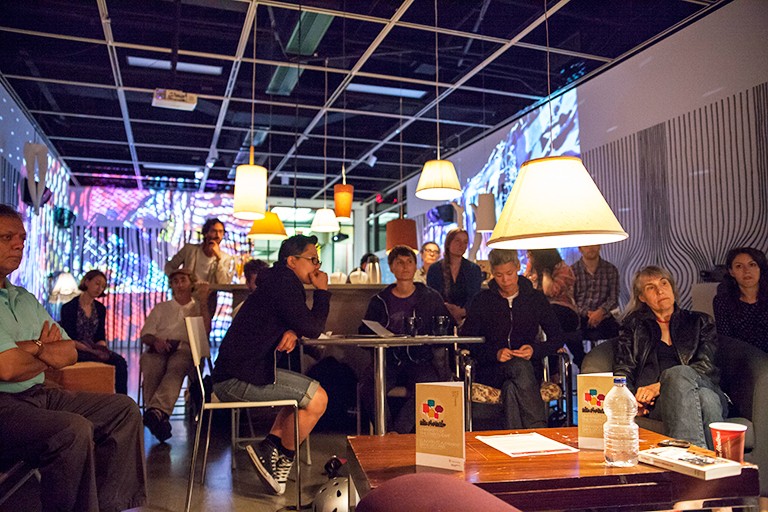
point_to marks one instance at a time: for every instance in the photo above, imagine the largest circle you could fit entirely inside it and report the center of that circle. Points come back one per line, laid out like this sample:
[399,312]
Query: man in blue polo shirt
[88,446]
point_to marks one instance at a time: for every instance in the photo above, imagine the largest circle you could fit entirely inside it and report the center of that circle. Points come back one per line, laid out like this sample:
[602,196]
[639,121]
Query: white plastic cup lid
[724,425]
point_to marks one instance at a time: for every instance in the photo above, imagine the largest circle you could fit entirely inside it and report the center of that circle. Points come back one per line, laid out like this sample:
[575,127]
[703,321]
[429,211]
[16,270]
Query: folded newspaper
[690,463]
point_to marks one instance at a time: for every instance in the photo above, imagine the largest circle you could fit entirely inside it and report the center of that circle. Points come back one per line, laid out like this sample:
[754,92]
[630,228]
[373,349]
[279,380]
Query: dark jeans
[89,447]
[116,360]
[688,403]
[523,407]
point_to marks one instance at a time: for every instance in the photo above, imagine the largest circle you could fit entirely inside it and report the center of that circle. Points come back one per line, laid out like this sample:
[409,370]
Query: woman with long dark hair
[456,278]
[84,318]
[550,274]
[741,303]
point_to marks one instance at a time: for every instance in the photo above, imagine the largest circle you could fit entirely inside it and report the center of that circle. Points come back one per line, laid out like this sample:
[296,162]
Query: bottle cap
[619,379]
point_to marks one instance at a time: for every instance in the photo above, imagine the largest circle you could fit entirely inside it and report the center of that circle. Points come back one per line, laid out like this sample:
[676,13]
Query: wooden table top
[578,480]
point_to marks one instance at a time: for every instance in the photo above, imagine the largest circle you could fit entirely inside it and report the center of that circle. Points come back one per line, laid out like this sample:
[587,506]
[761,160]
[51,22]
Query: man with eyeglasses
[430,253]
[270,322]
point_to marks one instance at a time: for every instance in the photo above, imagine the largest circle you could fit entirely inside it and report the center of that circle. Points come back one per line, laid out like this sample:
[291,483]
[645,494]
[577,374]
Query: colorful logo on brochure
[432,413]
[592,397]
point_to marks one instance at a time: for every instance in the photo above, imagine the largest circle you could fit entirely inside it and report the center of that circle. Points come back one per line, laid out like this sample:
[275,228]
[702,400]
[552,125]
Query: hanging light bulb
[554,202]
[438,180]
[343,195]
[251,180]
[325,220]
[401,231]
[268,228]
[250,191]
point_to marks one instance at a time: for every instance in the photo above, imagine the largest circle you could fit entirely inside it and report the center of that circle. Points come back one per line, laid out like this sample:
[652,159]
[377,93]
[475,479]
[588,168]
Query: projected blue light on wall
[527,138]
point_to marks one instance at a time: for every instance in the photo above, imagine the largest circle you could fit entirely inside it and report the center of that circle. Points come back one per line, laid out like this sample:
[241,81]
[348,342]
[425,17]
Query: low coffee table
[579,480]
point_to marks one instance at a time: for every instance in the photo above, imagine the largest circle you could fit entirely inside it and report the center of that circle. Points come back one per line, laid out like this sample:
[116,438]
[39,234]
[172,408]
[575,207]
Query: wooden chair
[201,355]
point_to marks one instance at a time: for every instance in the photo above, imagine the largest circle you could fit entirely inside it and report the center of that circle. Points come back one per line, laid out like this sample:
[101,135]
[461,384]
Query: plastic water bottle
[620,430]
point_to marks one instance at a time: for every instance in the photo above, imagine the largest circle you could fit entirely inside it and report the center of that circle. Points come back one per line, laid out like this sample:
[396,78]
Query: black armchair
[744,378]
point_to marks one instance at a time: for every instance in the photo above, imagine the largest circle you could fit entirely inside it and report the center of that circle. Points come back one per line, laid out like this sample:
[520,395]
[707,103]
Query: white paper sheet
[378,328]
[525,445]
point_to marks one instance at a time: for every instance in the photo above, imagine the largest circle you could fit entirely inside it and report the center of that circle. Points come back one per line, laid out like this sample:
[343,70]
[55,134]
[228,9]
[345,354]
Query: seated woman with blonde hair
[667,354]
[84,318]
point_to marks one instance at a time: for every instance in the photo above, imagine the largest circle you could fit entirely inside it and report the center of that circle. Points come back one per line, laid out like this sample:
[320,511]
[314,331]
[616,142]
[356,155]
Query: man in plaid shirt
[596,293]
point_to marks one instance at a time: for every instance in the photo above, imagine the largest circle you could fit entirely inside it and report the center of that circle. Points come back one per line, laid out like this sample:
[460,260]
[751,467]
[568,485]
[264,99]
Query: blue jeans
[288,386]
[688,403]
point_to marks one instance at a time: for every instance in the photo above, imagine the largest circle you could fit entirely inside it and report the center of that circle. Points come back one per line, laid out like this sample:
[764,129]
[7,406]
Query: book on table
[696,464]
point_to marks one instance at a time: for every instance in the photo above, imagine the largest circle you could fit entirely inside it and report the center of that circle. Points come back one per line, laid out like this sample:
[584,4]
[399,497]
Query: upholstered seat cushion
[85,376]
[420,492]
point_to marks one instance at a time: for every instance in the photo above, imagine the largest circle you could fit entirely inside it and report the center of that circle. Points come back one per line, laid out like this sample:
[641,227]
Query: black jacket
[69,320]
[693,338]
[489,315]
[467,285]
[247,351]
[429,304]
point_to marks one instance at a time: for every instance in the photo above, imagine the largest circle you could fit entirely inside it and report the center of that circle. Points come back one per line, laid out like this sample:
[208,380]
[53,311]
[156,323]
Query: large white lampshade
[438,181]
[485,213]
[555,203]
[250,192]
[325,221]
[268,228]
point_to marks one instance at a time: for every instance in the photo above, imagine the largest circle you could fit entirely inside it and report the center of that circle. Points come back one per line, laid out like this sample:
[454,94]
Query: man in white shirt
[207,261]
[168,358]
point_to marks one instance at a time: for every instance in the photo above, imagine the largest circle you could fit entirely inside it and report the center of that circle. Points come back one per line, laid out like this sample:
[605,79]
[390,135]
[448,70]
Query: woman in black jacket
[509,315]
[667,354]
[83,319]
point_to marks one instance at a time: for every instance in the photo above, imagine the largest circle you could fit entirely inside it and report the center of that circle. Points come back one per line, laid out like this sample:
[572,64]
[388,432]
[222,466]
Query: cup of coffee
[728,439]
[441,325]
[411,325]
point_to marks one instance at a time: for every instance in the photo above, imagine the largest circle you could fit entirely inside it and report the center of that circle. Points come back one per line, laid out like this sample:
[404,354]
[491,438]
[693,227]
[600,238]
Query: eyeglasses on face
[313,259]
[433,252]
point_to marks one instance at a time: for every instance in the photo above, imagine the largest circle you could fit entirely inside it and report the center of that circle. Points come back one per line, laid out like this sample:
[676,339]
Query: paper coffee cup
[728,439]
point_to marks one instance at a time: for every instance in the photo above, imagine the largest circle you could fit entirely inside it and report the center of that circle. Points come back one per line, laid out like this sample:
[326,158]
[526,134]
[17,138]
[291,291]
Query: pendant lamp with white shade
[554,202]
[325,220]
[251,180]
[438,180]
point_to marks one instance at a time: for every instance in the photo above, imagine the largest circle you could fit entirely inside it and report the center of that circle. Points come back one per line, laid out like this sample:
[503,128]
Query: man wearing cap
[168,358]
[206,260]
[88,446]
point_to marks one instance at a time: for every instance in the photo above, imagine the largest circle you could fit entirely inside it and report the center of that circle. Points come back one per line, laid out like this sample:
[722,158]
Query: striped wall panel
[689,189]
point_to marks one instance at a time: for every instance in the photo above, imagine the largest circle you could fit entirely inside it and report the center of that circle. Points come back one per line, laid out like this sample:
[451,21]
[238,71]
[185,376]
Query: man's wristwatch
[39,348]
